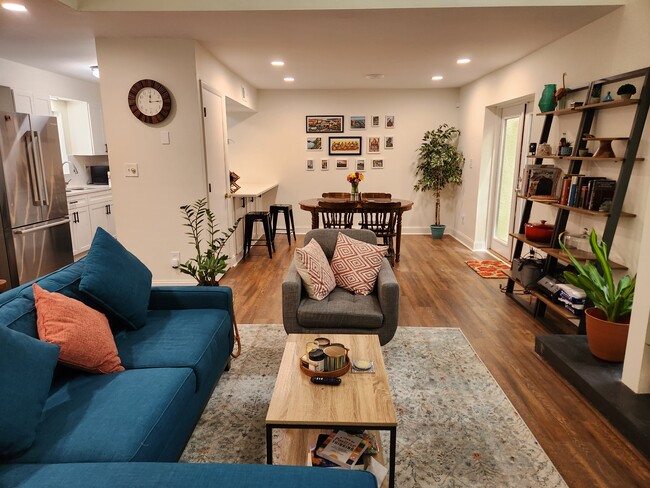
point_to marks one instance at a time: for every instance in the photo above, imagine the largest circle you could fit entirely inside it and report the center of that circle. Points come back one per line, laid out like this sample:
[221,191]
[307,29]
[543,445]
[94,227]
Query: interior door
[513,139]
[218,179]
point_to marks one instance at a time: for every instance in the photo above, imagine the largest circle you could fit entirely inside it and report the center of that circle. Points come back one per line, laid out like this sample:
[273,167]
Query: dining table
[311,205]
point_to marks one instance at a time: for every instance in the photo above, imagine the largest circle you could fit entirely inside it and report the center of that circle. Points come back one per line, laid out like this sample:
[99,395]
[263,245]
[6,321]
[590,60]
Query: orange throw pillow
[82,333]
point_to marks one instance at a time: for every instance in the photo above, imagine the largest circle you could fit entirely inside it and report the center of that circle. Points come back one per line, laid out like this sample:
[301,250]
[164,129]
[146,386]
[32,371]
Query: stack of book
[340,449]
[587,192]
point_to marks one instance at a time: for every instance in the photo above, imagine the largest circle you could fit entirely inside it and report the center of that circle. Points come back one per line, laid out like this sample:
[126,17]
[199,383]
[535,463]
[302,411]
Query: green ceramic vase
[547,102]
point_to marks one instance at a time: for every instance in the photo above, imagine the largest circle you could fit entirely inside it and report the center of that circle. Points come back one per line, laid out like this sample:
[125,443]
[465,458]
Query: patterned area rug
[488,269]
[456,427]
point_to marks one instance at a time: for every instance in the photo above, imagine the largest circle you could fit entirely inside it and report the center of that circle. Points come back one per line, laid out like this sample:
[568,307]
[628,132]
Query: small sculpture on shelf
[626,91]
[608,97]
[561,94]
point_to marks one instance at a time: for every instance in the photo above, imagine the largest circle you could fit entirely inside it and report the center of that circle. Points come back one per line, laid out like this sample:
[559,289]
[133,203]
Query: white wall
[271,145]
[613,44]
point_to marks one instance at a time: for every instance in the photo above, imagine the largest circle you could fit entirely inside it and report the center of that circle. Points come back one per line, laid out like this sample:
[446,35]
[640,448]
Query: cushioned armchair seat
[341,311]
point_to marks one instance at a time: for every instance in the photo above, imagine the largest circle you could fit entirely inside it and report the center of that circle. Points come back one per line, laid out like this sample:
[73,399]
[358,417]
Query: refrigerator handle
[31,162]
[44,196]
[66,220]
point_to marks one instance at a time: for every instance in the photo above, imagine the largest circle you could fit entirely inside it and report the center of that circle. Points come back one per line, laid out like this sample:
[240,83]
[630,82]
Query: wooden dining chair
[381,218]
[337,215]
[375,195]
[336,195]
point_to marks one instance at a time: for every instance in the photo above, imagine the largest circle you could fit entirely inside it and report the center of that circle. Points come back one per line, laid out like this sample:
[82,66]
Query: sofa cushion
[26,369]
[116,279]
[314,270]
[341,309]
[125,416]
[195,338]
[83,334]
[356,264]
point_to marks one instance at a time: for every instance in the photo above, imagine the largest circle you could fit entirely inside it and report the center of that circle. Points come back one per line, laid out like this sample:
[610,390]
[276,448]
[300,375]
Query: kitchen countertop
[77,190]
[254,189]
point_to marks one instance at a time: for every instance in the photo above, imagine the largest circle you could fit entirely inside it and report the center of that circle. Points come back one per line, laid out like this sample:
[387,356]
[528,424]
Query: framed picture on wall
[347,145]
[324,164]
[377,164]
[361,164]
[341,164]
[374,121]
[314,144]
[310,165]
[388,142]
[324,123]
[390,121]
[358,122]
[374,144]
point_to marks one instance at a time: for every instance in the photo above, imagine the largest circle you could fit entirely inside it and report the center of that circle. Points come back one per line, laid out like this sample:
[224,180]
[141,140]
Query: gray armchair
[342,311]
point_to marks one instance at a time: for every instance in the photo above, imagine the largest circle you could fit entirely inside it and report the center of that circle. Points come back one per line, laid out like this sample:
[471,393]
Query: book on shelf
[541,180]
[574,190]
[343,449]
[566,186]
[601,192]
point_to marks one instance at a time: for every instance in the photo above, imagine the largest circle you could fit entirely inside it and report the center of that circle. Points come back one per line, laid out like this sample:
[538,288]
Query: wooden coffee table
[302,409]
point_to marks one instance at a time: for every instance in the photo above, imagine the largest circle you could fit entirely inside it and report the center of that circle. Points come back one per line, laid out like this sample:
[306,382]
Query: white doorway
[217,175]
[510,154]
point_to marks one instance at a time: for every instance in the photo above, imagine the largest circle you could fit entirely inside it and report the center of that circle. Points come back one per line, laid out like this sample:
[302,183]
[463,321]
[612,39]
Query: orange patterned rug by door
[488,269]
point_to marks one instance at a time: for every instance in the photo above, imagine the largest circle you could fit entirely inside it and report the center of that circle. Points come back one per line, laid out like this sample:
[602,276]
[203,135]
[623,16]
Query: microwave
[98,175]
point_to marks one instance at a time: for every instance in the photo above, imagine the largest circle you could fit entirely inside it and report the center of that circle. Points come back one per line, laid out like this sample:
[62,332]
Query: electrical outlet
[132,170]
[175,259]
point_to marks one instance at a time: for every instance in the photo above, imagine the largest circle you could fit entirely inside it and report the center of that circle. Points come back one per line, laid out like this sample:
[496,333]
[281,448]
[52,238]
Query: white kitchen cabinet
[80,228]
[100,205]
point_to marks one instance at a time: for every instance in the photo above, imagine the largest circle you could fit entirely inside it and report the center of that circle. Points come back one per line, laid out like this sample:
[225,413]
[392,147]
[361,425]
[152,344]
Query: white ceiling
[323,48]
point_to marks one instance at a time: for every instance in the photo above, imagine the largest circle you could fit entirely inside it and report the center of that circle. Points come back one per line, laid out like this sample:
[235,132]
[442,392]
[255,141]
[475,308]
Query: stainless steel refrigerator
[33,207]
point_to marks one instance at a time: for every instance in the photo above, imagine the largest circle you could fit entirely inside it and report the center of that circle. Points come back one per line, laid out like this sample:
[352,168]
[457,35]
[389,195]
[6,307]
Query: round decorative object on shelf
[149,101]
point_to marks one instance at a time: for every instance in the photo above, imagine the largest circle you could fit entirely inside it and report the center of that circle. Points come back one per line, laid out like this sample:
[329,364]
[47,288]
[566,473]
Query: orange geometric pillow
[356,264]
[82,333]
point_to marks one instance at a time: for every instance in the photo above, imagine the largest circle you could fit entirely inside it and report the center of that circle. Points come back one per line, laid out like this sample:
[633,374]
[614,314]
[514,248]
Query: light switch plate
[131,170]
[164,137]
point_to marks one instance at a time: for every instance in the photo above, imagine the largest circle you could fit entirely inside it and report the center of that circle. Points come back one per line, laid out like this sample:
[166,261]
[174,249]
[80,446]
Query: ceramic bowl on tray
[539,232]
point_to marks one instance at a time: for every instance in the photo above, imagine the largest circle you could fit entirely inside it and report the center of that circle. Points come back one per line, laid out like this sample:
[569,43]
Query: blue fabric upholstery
[170,475]
[199,339]
[117,280]
[26,368]
[107,418]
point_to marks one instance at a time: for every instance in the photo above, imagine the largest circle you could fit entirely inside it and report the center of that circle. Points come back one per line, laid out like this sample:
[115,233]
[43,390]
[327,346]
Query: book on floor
[343,449]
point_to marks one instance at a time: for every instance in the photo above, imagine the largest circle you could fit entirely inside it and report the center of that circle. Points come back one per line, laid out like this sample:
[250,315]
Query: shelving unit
[587,113]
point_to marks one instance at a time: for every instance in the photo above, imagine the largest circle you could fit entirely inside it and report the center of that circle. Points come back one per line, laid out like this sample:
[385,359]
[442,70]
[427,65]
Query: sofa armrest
[292,290]
[388,294]
[191,297]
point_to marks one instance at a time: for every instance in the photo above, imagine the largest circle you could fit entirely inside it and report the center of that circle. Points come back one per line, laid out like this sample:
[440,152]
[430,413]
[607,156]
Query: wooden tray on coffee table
[325,374]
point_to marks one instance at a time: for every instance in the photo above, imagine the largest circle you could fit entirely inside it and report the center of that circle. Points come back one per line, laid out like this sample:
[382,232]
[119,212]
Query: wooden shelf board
[605,105]
[605,138]
[593,213]
[581,256]
[582,158]
[538,245]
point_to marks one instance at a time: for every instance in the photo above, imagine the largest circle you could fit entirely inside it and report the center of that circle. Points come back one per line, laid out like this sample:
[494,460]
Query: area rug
[456,427]
[488,269]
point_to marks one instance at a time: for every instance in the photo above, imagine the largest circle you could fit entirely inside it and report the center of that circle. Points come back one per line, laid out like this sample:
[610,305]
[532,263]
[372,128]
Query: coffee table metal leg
[393,452]
[269,445]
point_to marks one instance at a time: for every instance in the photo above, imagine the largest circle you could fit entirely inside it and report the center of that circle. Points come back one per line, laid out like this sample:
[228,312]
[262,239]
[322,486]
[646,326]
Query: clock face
[150,101]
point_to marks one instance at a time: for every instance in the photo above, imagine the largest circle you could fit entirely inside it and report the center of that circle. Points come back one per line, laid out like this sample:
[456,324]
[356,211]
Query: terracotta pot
[607,340]
[539,232]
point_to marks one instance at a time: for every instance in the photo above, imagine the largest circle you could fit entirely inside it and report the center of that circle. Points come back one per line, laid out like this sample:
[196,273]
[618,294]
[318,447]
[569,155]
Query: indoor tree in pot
[608,320]
[208,264]
[439,164]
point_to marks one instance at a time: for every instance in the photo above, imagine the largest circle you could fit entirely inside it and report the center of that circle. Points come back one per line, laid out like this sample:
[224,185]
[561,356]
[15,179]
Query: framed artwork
[373,144]
[388,142]
[358,122]
[377,164]
[375,121]
[361,164]
[347,145]
[310,165]
[324,164]
[341,164]
[314,144]
[324,123]
[390,121]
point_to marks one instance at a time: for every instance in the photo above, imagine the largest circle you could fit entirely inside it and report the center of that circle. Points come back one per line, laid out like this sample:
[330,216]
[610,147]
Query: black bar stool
[258,216]
[287,210]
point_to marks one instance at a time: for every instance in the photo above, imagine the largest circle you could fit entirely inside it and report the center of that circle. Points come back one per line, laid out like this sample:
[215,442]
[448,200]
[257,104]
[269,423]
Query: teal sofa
[127,428]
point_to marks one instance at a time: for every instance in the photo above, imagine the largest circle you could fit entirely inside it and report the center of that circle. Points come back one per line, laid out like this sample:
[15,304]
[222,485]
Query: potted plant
[595,94]
[565,147]
[439,163]
[208,264]
[608,320]
[626,91]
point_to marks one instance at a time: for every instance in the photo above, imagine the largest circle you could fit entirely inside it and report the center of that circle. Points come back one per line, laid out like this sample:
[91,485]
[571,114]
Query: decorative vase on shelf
[547,101]
[608,97]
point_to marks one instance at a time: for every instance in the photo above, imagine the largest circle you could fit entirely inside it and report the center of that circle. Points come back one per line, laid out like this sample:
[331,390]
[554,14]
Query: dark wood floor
[439,290]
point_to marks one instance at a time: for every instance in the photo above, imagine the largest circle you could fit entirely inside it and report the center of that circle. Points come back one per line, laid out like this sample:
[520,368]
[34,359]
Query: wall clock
[149,101]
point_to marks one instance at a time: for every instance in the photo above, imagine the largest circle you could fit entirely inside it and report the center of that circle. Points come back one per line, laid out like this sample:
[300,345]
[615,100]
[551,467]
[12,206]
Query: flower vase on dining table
[354,193]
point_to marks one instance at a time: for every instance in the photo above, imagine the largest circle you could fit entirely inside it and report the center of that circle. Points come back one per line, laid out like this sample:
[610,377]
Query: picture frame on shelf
[390,122]
[345,145]
[324,124]
[361,164]
[324,164]
[314,144]
[357,122]
[374,144]
[309,166]
[374,121]
[377,164]
[341,164]
[389,142]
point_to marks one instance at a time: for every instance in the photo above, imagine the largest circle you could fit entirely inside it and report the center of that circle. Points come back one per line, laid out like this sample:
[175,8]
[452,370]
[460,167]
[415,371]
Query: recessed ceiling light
[436,78]
[95,71]
[15,7]
[463,61]
[277,63]
[289,79]
[375,76]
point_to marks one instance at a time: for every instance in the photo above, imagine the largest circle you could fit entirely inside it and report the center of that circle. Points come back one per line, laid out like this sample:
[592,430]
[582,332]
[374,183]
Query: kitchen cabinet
[88,210]
[100,206]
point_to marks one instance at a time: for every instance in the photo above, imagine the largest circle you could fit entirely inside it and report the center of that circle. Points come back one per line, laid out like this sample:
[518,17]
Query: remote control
[320,380]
